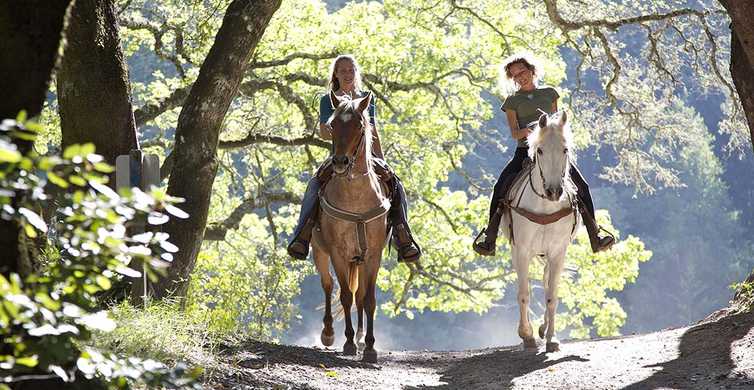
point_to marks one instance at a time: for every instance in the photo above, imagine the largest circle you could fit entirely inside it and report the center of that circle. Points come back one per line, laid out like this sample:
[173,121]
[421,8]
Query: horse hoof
[530,344]
[349,349]
[370,356]
[552,347]
[542,329]
[327,340]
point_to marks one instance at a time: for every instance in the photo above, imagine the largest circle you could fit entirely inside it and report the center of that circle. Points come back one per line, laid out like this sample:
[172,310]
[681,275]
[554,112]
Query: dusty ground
[717,353]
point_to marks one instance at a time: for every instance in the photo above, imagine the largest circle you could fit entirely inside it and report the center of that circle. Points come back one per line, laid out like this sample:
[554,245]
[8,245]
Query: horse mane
[345,106]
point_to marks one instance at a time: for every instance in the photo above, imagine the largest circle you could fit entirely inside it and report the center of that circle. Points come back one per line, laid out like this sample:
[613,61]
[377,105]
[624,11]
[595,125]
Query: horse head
[349,131]
[550,147]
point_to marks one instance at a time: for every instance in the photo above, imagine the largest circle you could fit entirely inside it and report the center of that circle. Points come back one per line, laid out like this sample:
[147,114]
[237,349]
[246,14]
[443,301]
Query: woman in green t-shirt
[523,109]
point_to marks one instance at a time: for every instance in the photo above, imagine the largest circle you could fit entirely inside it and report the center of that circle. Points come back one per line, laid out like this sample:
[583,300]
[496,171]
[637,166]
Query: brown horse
[352,225]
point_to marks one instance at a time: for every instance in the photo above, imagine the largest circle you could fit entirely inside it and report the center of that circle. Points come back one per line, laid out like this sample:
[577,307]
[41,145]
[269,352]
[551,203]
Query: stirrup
[298,249]
[608,240]
[483,250]
[409,259]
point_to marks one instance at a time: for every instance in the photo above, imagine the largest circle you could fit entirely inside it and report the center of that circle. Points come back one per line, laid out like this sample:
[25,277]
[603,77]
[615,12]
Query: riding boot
[488,245]
[503,184]
[598,243]
[299,246]
[408,250]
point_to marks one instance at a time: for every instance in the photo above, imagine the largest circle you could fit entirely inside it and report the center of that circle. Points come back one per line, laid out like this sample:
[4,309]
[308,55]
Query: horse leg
[360,296]
[346,299]
[525,331]
[322,262]
[370,354]
[545,284]
[551,298]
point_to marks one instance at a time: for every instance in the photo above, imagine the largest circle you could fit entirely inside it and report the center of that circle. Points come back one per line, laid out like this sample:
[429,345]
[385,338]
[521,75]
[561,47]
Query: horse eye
[539,152]
[565,150]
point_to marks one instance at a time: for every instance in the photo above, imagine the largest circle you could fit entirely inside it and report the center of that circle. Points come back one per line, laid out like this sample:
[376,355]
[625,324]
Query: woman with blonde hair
[345,80]
[523,109]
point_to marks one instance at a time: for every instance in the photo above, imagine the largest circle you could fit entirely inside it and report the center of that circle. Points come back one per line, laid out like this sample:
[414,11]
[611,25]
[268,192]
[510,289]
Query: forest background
[662,140]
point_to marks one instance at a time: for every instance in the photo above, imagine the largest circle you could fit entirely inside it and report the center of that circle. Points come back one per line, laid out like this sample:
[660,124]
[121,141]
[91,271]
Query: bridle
[542,176]
[352,156]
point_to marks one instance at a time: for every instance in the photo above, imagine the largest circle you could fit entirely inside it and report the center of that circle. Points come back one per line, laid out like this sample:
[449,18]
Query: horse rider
[525,107]
[345,80]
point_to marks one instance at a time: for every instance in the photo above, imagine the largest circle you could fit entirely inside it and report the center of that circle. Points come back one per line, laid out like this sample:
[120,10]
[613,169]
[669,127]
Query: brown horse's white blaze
[353,193]
[543,221]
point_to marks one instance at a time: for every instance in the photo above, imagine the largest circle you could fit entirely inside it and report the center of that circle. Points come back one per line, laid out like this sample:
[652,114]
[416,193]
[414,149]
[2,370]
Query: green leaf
[29,361]
[57,180]
[72,151]
[30,232]
[103,167]
[9,156]
[103,282]
[77,180]
[87,149]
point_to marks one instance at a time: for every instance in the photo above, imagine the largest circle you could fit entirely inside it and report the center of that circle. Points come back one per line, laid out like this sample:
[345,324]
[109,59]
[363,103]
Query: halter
[542,176]
[355,152]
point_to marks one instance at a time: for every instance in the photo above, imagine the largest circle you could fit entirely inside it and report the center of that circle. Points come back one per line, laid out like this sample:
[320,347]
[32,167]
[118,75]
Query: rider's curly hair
[526,59]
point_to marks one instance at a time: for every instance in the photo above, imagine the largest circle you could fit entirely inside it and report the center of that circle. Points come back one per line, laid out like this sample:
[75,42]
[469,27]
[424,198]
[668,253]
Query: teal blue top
[326,109]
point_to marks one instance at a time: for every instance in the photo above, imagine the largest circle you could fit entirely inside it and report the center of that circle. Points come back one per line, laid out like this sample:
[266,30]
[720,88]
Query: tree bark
[198,131]
[741,13]
[30,35]
[94,93]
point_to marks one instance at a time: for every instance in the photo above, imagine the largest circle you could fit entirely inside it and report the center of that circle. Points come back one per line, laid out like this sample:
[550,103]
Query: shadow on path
[495,370]
[255,354]
[704,359]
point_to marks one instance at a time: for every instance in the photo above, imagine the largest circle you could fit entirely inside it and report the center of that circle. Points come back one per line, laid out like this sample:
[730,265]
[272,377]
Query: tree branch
[216,231]
[151,111]
[293,56]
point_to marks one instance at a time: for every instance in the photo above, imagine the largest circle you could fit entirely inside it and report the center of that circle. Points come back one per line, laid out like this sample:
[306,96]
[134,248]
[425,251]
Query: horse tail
[353,279]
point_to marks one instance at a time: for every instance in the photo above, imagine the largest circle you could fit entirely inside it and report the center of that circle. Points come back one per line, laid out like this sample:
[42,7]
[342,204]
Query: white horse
[542,220]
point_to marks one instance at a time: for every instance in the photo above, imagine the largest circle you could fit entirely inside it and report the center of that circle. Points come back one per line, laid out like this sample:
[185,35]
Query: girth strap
[543,219]
[361,221]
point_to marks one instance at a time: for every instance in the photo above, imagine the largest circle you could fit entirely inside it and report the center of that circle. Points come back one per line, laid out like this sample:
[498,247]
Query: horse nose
[340,160]
[548,192]
[559,192]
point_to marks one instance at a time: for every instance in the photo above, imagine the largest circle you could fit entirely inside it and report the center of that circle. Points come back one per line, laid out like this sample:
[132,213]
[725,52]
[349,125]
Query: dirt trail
[717,353]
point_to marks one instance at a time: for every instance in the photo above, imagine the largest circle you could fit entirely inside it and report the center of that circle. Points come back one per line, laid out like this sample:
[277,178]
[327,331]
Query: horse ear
[563,118]
[334,99]
[543,121]
[364,102]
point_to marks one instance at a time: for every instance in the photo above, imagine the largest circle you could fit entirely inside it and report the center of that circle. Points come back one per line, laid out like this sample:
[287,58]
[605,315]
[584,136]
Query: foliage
[442,60]
[744,298]
[160,331]
[46,316]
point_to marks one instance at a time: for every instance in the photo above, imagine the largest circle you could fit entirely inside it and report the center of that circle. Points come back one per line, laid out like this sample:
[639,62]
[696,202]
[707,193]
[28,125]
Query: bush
[46,316]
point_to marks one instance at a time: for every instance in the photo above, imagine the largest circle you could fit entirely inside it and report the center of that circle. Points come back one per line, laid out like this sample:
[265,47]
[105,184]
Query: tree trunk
[30,35]
[198,132]
[741,13]
[94,94]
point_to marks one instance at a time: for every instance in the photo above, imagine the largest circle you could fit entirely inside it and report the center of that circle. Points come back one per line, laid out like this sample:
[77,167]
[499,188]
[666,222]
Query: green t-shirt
[527,104]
